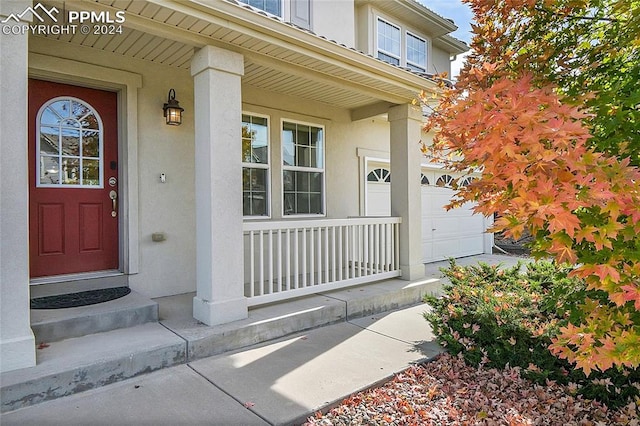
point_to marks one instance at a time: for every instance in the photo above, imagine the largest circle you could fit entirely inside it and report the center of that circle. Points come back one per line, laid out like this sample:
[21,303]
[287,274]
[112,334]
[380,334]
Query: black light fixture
[173,110]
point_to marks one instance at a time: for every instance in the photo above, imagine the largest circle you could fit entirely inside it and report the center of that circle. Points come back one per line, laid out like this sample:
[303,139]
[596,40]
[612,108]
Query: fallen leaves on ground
[448,392]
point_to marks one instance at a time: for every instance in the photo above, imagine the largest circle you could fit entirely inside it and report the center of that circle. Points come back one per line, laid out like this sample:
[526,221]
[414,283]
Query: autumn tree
[547,107]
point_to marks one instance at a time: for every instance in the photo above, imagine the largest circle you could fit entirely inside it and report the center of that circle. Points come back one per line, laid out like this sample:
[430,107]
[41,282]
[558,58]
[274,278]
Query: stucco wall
[342,137]
[334,20]
[167,267]
[371,134]
[366,27]
[440,61]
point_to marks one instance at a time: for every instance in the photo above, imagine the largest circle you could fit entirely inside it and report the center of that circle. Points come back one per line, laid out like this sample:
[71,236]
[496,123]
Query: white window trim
[262,166]
[378,49]
[405,31]
[282,9]
[304,169]
[38,156]
[426,50]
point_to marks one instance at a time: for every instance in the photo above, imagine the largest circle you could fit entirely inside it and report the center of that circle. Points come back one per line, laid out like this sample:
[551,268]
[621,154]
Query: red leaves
[632,294]
[448,392]
[539,173]
[603,272]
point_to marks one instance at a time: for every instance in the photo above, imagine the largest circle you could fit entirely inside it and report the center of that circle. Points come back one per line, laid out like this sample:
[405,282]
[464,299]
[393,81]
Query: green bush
[498,317]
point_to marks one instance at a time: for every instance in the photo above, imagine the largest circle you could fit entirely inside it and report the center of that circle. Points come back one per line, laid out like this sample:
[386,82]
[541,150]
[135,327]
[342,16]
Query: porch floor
[78,364]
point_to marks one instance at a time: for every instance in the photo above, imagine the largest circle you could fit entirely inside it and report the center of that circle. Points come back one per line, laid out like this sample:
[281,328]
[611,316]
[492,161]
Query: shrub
[498,317]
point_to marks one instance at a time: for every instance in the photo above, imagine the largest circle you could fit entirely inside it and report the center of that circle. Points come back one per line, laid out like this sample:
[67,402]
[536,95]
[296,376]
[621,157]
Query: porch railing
[287,259]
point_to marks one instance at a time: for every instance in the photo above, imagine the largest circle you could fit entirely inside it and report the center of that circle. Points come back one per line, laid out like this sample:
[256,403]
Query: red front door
[73,172]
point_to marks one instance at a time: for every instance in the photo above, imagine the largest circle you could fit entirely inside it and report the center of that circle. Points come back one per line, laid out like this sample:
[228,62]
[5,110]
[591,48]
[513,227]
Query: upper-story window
[271,6]
[388,42]
[416,53]
[397,45]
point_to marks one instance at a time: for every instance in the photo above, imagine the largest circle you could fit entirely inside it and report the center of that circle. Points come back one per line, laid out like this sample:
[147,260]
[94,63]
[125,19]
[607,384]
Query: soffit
[451,44]
[168,35]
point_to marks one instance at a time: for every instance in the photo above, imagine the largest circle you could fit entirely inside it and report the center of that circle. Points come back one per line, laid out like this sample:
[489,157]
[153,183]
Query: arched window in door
[69,149]
[445,181]
[379,175]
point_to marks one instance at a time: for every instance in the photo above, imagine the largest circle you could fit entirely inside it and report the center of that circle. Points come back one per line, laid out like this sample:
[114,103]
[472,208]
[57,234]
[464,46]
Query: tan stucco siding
[366,37]
[167,267]
[342,138]
[440,62]
[334,20]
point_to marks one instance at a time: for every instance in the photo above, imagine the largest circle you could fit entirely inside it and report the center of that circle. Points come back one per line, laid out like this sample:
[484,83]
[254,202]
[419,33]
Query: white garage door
[454,233]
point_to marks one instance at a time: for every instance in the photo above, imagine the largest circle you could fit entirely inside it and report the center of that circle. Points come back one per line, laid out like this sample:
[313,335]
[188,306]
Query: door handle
[114,203]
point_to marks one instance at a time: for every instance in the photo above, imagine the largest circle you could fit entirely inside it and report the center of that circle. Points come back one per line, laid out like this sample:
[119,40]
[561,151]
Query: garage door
[454,233]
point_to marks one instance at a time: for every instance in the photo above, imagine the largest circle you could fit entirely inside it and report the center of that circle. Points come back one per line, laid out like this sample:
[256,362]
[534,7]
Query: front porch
[80,363]
[199,206]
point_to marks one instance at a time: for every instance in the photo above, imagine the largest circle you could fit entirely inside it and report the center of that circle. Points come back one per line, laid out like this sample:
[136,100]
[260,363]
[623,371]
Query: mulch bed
[448,392]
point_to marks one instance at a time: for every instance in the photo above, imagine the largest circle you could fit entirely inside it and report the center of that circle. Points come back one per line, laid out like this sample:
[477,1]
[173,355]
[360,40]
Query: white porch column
[218,131]
[405,123]
[17,344]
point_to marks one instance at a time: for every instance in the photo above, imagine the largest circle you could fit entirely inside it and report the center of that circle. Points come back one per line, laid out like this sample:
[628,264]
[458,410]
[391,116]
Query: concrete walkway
[278,383]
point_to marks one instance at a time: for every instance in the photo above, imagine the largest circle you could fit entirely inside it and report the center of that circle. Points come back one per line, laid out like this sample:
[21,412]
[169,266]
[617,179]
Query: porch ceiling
[278,56]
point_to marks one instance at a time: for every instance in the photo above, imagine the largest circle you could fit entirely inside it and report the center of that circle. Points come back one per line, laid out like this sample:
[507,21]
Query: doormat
[83,298]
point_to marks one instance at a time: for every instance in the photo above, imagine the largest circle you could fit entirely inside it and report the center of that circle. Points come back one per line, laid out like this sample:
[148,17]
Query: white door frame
[126,84]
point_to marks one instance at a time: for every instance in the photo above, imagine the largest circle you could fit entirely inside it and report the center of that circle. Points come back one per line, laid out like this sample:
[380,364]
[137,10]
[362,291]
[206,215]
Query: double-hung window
[302,169]
[410,51]
[273,7]
[388,42]
[416,53]
[255,166]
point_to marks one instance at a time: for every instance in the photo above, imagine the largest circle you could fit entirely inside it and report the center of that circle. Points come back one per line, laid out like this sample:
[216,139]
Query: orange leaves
[632,294]
[562,252]
[604,272]
[539,170]
[604,340]
[541,176]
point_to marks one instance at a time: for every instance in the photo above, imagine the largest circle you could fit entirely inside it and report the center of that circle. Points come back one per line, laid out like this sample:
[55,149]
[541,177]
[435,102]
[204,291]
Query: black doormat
[83,298]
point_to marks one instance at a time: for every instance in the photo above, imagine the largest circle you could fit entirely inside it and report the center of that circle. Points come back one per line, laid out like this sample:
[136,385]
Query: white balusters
[286,259]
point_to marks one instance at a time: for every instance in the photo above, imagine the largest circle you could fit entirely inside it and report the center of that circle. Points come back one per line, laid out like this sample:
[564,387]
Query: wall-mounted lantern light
[173,110]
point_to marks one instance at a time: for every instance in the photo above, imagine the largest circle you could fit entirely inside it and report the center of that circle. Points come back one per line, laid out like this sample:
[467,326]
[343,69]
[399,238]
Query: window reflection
[303,168]
[255,170]
[69,144]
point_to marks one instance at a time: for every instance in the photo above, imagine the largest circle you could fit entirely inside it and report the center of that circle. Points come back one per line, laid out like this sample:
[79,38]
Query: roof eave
[310,42]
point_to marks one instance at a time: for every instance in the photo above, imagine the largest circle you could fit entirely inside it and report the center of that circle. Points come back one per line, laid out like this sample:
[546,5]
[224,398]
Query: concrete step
[74,283]
[52,325]
[276,320]
[82,363]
